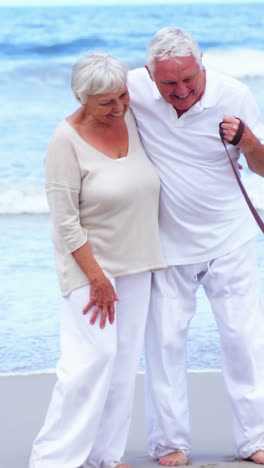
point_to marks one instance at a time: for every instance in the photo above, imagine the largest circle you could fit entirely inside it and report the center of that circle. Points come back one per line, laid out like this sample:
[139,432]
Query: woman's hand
[102,293]
[102,298]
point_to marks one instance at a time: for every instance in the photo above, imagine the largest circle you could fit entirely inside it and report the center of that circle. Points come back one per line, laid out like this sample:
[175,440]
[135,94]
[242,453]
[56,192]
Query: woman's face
[108,108]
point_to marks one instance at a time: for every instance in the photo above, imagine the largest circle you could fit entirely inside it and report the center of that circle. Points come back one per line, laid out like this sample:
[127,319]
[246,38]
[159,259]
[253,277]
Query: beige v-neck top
[110,203]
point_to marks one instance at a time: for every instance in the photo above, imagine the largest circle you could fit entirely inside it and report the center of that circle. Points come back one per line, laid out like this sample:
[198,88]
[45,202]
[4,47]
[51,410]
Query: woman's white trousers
[88,418]
[233,288]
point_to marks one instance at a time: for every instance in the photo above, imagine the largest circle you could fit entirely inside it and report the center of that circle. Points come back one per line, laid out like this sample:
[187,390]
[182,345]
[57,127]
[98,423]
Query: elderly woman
[103,196]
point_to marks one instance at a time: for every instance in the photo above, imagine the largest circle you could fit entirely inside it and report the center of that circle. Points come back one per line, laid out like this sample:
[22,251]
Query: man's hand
[230,127]
[249,144]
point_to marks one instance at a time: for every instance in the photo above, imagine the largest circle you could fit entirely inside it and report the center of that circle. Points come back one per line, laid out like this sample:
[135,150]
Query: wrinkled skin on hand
[102,301]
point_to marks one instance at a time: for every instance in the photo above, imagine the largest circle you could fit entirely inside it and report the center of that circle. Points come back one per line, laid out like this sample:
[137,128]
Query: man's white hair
[97,73]
[172,42]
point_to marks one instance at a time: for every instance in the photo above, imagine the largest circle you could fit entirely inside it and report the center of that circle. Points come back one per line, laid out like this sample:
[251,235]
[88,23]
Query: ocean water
[38,48]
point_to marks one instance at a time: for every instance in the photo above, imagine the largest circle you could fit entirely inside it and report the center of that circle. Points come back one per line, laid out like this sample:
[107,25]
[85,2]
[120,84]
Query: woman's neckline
[76,133]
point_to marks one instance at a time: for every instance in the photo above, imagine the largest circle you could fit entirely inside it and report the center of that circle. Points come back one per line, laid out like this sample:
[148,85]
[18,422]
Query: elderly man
[206,232]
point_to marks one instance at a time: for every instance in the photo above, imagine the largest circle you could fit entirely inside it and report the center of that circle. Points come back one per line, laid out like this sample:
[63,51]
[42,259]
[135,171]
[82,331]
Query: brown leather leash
[234,142]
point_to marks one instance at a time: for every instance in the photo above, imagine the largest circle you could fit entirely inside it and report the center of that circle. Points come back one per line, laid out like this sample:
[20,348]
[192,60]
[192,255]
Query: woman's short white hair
[172,41]
[97,73]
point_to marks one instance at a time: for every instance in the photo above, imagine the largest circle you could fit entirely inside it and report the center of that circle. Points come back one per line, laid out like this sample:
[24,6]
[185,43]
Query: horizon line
[132,3]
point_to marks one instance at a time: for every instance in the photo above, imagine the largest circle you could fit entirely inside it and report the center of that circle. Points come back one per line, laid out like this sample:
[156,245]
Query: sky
[109,2]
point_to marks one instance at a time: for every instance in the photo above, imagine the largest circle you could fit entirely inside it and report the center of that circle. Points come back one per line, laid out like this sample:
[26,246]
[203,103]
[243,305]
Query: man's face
[180,81]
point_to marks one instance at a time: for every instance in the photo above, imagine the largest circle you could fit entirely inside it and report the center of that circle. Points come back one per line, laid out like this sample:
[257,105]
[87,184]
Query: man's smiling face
[180,81]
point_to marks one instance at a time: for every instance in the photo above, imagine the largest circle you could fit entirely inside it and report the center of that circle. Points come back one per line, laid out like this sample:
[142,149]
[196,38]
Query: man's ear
[149,72]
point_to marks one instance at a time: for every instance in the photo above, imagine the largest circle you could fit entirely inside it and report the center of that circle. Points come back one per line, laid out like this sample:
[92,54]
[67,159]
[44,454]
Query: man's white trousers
[233,288]
[91,406]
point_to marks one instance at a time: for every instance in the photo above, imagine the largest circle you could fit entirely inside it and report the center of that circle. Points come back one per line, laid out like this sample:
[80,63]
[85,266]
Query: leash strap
[235,170]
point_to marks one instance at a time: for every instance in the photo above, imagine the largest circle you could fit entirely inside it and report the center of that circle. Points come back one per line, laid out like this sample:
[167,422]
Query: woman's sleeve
[63,185]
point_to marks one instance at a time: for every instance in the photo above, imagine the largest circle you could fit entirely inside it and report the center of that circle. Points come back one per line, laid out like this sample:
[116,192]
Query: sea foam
[21,201]
[239,62]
